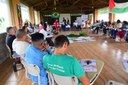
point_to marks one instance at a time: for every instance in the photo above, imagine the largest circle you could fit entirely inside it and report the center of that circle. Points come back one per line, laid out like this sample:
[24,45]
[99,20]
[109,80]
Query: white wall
[65,16]
[122,17]
[104,17]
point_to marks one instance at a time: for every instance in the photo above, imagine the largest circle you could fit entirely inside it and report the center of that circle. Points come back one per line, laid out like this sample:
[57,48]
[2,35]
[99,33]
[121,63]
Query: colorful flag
[118,6]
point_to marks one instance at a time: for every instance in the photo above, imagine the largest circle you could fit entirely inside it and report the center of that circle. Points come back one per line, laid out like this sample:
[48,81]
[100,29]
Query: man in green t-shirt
[64,65]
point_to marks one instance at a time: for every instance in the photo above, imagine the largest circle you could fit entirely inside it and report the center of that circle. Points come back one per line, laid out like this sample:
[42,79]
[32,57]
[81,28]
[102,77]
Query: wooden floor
[103,48]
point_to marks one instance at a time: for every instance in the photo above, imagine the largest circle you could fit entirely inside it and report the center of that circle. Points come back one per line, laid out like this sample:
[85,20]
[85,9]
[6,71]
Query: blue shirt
[34,55]
[9,41]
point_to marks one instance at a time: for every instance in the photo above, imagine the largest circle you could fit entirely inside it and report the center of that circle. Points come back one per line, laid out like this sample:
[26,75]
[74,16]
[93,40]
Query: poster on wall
[79,20]
[19,15]
[66,17]
[84,18]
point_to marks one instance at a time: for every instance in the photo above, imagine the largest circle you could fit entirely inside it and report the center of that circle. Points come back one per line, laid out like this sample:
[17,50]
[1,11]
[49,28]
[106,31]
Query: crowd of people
[34,46]
[116,30]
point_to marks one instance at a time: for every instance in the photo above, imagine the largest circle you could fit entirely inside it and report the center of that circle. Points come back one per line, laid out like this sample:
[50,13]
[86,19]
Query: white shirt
[119,25]
[44,33]
[19,47]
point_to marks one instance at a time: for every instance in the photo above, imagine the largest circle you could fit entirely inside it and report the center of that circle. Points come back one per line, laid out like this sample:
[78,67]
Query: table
[111,82]
[94,75]
[91,75]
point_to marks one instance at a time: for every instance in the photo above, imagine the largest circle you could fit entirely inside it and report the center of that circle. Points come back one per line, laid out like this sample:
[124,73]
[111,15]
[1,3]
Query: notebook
[89,65]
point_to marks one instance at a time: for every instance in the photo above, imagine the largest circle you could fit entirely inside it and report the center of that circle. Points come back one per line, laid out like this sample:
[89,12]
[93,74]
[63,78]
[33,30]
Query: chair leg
[39,80]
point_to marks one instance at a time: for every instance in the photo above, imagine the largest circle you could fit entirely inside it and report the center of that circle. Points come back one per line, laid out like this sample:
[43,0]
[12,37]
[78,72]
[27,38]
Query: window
[25,13]
[5,18]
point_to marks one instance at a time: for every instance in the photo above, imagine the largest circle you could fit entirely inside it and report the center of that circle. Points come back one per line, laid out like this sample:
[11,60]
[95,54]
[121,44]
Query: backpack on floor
[17,65]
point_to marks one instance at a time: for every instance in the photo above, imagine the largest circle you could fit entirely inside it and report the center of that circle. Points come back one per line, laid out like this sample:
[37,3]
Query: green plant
[75,35]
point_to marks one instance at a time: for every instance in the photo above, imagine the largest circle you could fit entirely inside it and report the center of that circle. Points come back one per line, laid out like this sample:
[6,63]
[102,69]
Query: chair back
[62,80]
[32,69]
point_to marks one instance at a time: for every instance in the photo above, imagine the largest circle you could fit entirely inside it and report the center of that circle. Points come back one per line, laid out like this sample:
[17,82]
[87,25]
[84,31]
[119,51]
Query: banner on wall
[19,15]
[84,17]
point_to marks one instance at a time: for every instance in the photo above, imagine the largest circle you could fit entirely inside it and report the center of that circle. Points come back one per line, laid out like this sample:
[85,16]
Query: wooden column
[90,18]
[14,13]
[38,14]
[111,17]
[95,14]
[32,18]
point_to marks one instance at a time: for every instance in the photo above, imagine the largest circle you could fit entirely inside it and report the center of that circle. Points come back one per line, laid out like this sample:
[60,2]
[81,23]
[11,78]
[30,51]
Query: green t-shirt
[63,65]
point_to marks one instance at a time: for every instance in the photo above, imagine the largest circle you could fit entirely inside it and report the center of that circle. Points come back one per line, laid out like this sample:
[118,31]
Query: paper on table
[125,63]
[89,65]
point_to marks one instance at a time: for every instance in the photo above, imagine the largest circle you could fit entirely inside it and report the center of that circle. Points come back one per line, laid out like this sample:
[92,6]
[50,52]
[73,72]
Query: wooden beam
[51,6]
[69,10]
[105,2]
[26,2]
[76,2]
[38,4]
[46,2]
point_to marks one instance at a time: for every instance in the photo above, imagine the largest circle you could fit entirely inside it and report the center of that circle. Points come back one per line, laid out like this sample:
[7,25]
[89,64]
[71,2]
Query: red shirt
[56,25]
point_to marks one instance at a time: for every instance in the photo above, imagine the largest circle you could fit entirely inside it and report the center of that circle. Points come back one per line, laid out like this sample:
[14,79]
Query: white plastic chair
[61,80]
[32,69]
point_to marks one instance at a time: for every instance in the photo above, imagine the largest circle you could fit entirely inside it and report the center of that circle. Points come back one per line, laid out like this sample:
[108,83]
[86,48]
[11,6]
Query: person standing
[56,25]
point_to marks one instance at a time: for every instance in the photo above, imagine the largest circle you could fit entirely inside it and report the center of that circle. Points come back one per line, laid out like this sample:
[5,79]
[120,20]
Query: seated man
[34,54]
[10,37]
[61,64]
[20,43]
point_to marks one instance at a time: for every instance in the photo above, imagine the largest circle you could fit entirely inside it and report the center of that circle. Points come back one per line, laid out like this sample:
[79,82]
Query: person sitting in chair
[34,54]
[21,42]
[10,37]
[64,65]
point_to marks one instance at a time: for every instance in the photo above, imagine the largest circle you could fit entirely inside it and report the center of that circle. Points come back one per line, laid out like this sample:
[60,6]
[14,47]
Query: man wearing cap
[34,54]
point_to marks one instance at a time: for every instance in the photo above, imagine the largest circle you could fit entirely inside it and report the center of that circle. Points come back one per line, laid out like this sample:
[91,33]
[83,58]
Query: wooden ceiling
[66,6]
